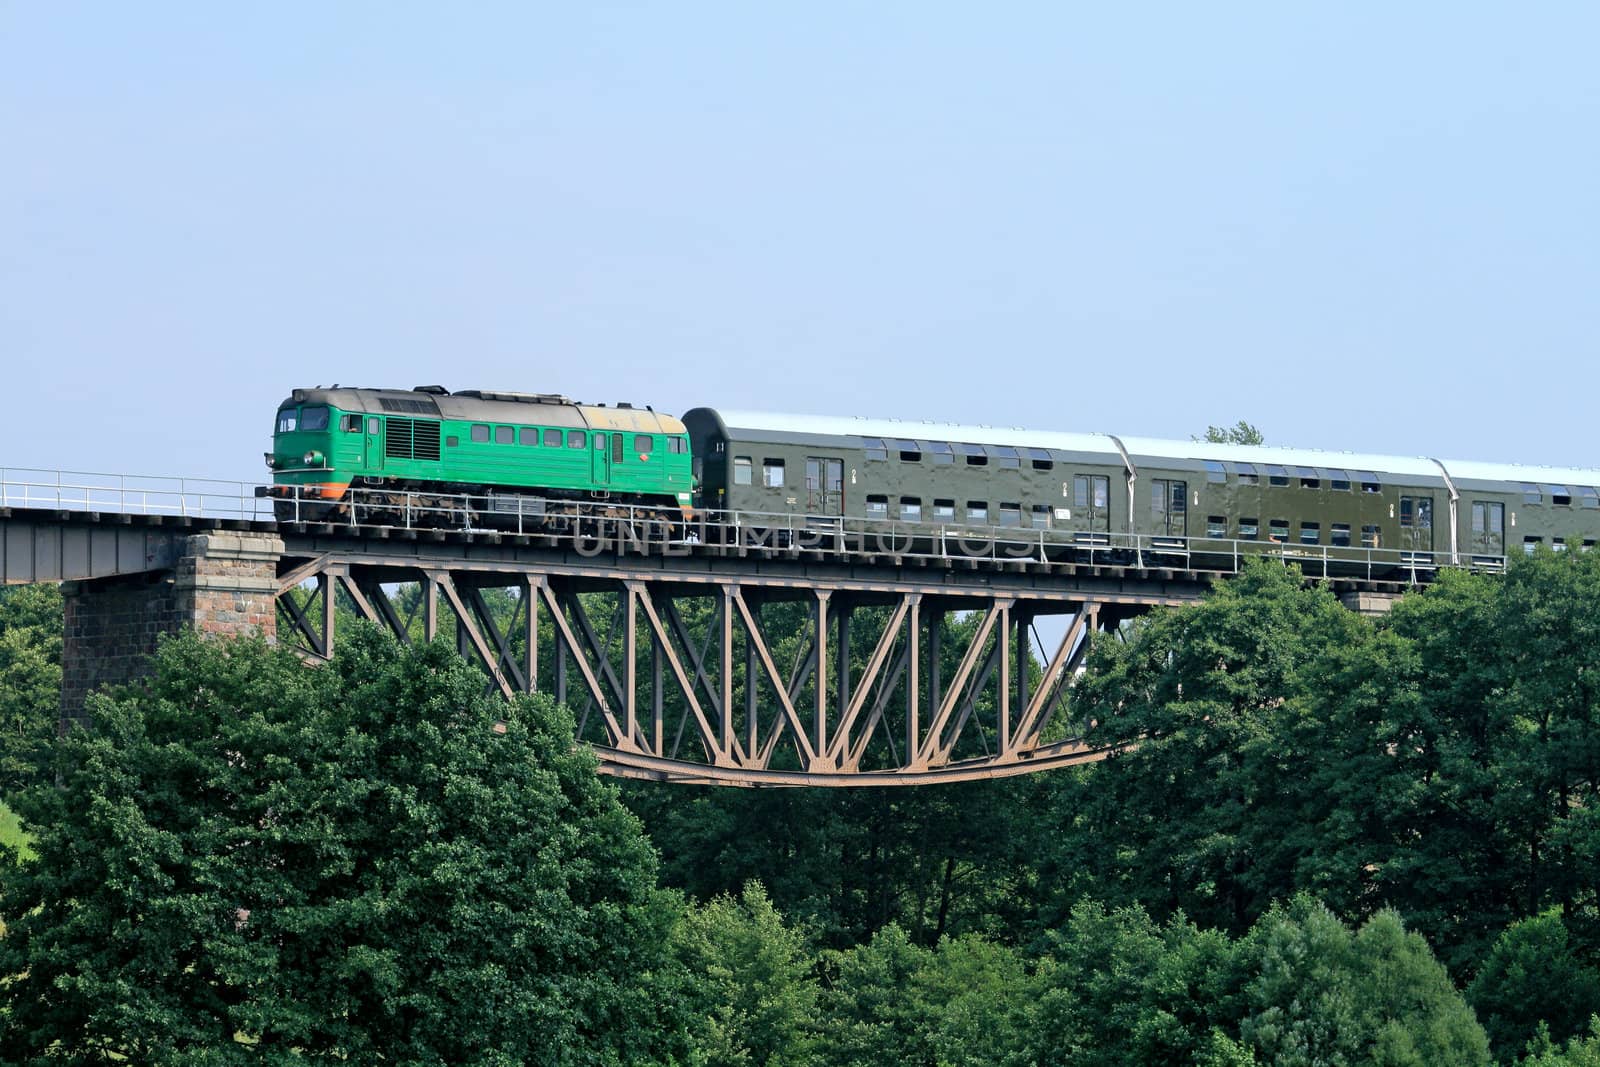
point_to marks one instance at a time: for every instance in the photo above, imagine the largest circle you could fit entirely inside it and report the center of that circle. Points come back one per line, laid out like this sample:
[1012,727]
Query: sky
[1358,226]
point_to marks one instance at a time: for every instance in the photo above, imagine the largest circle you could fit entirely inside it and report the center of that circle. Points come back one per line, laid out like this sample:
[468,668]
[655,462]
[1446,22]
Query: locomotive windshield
[314,418]
[288,420]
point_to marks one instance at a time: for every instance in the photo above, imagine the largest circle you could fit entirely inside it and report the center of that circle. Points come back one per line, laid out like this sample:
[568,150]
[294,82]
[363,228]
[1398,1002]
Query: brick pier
[223,584]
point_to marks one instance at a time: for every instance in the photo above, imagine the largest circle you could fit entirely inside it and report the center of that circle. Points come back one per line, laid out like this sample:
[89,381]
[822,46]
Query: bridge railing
[130,494]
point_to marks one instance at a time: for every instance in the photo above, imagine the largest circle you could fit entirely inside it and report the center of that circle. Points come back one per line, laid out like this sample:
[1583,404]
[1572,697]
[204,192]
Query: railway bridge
[789,655]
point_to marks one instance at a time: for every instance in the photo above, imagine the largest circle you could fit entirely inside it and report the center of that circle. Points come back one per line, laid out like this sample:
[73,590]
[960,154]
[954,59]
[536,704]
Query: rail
[600,527]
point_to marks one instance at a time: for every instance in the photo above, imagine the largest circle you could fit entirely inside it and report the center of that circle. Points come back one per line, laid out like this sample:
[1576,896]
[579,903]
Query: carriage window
[1041,459]
[1216,526]
[288,419]
[741,470]
[977,511]
[877,507]
[1309,478]
[909,451]
[1276,475]
[1004,456]
[504,435]
[1041,516]
[1339,536]
[944,510]
[1310,533]
[1558,544]
[1278,530]
[1247,473]
[1416,512]
[1591,498]
[876,449]
[976,457]
[1369,482]
[529,436]
[1531,494]
[911,508]
[1214,472]
[1560,495]
[1530,543]
[314,418]
[1010,514]
[677,445]
[1249,529]
[942,452]
[1371,537]
[772,473]
[1339,481]
[644,444]
[480,434]
[577,439]
[552,439]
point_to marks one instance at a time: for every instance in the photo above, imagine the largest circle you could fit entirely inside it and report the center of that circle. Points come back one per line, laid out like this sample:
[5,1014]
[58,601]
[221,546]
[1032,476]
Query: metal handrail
[799,534]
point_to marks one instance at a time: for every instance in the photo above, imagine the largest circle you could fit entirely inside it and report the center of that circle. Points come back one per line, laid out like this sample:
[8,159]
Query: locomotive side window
[552,439]
[504,435]
[643,443]
[351,424]
[529,436]
[577,439]
[772,473]
[741,470]
[677,445]
[480,434]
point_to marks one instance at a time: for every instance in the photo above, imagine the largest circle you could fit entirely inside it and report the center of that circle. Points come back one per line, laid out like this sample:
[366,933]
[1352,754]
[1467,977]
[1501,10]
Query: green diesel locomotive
[427,456]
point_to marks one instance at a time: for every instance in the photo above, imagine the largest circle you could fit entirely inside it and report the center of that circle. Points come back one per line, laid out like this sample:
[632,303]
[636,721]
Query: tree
[1532,978]
[250,860]
[1240,433]
[30,681]
[755,996]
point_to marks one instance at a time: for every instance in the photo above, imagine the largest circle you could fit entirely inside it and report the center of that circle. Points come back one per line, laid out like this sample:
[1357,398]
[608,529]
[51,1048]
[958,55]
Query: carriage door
[1169,507]
[602,461]
[1091,499]
[374,436]
[1416,524]
[824,485]
[1488,528]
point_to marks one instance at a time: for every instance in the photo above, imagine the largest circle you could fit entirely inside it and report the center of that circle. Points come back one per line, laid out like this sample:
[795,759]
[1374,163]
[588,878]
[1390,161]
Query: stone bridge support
[223,584]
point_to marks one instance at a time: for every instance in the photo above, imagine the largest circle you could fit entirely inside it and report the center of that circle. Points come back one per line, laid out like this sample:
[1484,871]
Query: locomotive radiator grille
[411,439]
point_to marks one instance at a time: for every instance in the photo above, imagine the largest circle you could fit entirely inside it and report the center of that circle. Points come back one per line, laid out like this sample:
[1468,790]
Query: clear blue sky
[1359,225]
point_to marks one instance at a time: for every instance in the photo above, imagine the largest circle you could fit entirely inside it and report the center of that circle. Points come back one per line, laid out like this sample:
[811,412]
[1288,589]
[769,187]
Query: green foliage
[1533,977]
[352,863]
[1240,433]
[1579,1052]
[30,682]
[754,999]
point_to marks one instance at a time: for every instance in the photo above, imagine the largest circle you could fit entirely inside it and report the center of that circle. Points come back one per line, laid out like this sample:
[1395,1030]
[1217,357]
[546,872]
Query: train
[543,461]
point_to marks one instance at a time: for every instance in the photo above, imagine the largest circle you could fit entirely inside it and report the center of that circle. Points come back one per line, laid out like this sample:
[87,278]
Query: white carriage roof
[1154,447]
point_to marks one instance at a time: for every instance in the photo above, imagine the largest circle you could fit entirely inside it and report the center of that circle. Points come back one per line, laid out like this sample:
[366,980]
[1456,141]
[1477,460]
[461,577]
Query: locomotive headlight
[312,459]
[272,461]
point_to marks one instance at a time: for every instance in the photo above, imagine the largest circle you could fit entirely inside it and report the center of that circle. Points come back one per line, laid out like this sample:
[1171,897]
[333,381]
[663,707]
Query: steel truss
[743,679]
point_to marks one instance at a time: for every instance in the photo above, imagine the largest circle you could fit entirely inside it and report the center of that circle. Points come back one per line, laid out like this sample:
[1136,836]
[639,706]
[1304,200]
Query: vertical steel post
[530,619]
[914,629]
[819,673]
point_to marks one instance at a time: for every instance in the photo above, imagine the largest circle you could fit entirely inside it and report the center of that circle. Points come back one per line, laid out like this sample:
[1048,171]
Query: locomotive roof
[1153,451]
[484,406]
